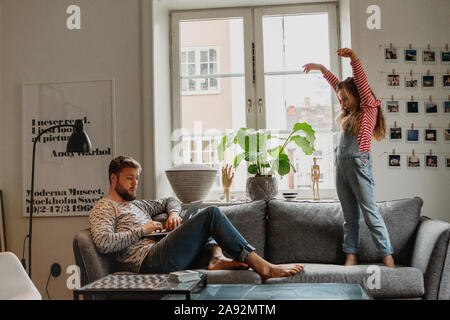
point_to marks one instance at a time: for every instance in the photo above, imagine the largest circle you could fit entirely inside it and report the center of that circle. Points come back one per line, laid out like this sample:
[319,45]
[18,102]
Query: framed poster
[3,247]
[67,184]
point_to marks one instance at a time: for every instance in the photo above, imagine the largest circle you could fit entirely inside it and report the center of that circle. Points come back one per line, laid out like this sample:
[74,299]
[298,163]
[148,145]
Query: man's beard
[124,194]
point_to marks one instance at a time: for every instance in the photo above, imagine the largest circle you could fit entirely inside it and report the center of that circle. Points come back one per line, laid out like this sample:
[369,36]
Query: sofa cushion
[400,282]
[250,220]
[401,218]
[314,231]
[231,276]
[304,232]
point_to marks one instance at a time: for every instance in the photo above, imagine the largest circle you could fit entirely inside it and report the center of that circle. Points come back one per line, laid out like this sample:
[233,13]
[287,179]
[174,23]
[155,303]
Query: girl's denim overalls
[356,191]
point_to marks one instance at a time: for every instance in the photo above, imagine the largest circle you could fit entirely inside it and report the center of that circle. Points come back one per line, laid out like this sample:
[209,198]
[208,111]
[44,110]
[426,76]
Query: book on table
[184,276]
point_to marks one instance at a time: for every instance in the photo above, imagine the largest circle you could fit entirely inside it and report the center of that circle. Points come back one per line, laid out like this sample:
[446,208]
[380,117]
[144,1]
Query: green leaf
[284,167]
[304,143]
[307,129]
[221,147]
[274,152]
[238,159]
[252,169]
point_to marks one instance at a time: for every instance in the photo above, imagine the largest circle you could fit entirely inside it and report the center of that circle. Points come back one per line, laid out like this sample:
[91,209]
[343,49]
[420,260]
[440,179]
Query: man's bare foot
[351,260]
[389,261]
[268,270]
[282,270]
[224,263]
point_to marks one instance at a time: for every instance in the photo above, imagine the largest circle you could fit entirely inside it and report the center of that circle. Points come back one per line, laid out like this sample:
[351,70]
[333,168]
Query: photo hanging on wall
[445,57]
[430,107]
[395,134]
[428,56]
[428,81]
[394,161]
[447,162]
[412,107]
[411,82]
[392,107]
[446,106]
[390,54]
[412,136]
[447,135]
[413,162]
[431,161]
[410,55]
[446,81]
[393,81]
[430,136]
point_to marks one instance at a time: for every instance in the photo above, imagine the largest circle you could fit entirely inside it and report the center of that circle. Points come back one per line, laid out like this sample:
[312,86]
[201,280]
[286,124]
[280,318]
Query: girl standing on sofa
[360,118]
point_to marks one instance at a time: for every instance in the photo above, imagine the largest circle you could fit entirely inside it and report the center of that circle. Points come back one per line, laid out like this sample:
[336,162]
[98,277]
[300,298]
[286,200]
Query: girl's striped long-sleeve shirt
[369,104]
[117,228]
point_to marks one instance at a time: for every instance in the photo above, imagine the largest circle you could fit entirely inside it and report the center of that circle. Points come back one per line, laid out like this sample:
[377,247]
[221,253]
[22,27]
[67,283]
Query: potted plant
[264,162]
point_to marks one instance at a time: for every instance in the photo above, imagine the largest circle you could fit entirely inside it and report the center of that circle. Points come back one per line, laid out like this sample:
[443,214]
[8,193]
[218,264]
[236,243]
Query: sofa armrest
[431,254]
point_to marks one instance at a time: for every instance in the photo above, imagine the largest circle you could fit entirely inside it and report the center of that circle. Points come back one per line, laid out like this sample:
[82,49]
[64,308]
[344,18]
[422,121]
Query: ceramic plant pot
[191,182]
[262,188]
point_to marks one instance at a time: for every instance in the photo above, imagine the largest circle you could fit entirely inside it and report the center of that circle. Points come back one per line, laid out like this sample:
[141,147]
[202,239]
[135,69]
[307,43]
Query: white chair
[14,281]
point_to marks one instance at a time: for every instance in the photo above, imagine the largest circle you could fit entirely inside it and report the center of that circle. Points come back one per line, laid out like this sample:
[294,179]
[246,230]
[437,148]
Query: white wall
[162,98]
[37,47]
[420,23]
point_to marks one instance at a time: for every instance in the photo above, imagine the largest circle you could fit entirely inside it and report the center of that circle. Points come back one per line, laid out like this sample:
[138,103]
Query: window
[195,62]
[260,84]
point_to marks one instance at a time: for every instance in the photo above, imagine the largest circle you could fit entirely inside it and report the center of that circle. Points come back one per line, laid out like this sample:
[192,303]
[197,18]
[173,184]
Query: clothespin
[448,98]
[412,98]
[392,98]
[428,47]
[395,124]
[446,47]
[410,46]
[428,72]
[412,126]
[390,46]
[448,71]
[430,98]
[393,71]
[410,73]
[429,126]
[413,153]
[393,152]
[431,152]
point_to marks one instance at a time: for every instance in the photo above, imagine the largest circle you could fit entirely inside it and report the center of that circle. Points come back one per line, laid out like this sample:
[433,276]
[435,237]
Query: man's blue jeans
[192,241]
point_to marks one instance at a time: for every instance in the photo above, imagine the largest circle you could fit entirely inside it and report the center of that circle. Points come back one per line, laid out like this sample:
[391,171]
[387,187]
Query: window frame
[254,83]
[197,51]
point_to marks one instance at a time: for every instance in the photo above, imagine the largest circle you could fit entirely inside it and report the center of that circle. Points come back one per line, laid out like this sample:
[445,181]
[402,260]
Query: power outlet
[55,269]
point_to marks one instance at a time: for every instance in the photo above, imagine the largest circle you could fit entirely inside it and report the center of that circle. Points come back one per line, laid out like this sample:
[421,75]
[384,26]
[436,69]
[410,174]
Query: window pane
[204,68]
[212,68]
[212,55]
[191,56]
[191,69]
[289,42]
[218,104]
[204,56]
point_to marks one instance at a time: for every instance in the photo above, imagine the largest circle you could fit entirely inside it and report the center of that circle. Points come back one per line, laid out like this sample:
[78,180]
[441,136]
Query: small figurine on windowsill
[227,180]
[315,175]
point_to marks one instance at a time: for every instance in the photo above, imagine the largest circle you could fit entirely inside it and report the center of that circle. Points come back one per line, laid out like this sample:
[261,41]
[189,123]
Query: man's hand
[151,226]
[173,221]
[347,53]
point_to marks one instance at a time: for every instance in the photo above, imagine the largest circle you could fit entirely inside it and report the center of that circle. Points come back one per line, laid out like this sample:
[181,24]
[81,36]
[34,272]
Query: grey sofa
[311,233]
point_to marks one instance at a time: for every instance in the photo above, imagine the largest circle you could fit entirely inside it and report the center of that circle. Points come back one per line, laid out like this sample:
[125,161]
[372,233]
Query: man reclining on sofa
[120,224]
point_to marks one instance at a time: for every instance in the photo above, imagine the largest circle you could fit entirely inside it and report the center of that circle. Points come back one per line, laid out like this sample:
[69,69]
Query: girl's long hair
[350,120]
